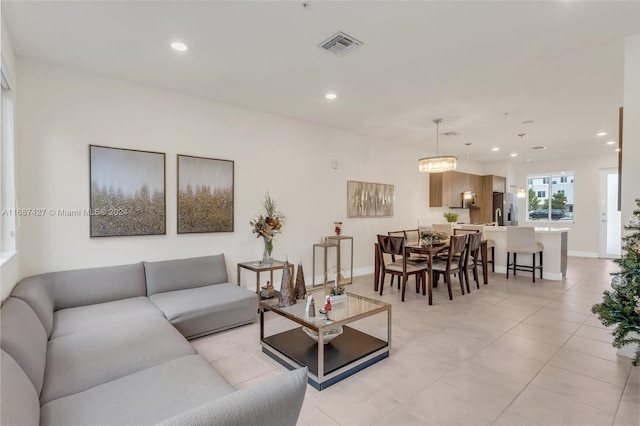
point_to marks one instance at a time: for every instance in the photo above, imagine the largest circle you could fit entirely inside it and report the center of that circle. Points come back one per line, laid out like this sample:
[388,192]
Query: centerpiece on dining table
[430,237]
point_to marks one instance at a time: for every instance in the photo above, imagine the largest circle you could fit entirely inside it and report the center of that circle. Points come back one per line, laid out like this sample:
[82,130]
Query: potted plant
[451,217]
[621,305]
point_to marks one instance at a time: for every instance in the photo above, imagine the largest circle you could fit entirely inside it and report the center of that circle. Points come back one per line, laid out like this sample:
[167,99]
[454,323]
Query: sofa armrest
[277,401]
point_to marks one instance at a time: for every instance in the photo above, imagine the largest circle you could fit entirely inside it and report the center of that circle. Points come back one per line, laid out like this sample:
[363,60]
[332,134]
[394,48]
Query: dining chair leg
[508,258]
[404,286]
[533,270]
[466,277]
[461,279]
[423,278]
[540,265]
[515,262]
[475,274]
[447,278]
[382,282]
[429,289]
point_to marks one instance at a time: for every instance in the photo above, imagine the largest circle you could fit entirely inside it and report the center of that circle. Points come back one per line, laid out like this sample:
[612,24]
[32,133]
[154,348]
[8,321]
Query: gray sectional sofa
[108,346]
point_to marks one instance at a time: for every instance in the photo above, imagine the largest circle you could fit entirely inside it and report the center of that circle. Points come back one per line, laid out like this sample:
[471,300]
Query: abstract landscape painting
[205,195]
[127,192]
[366,199]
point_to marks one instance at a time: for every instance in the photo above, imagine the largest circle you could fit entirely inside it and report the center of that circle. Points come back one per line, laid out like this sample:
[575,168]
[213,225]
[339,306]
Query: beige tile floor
[511,353]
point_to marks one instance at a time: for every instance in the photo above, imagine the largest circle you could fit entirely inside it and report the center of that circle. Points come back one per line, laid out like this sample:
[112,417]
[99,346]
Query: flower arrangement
[621,305]
[268,225]
[430,237]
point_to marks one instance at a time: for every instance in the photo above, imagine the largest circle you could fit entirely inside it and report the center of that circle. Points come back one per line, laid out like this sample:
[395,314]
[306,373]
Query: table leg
[429,275]
[258,282]
[485,270]
[376,267]
[238,275]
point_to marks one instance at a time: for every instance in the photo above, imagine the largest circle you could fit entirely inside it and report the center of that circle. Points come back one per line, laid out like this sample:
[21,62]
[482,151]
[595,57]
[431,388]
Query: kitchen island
[554,257]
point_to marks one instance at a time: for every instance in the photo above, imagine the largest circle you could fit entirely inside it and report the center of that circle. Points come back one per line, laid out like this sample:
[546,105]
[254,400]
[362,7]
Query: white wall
[9,267]
[631,131]
[62,111]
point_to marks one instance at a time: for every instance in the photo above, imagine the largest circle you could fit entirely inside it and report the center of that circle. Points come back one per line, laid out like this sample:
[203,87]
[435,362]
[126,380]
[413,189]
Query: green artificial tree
[621,306]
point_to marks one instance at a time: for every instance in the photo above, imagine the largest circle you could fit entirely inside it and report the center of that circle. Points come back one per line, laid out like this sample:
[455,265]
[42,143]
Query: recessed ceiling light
[331,96]
[180,47]
[495,149]
[514,155]
[617,149]
[528,159]
[611,142]
[601,134]
[528,123]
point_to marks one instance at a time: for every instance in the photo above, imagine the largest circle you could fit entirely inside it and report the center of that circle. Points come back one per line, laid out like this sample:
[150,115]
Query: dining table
[426,251]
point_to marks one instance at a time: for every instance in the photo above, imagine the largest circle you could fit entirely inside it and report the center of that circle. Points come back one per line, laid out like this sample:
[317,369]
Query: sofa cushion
[74,320]
[79,361]
[18,397]
[146,397]
[23,336]
[180,274]
[273,402]
[96,285]
[204,310]
[39,296]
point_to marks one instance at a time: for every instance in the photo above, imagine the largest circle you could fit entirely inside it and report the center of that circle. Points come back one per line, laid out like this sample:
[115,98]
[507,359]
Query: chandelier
[437,164]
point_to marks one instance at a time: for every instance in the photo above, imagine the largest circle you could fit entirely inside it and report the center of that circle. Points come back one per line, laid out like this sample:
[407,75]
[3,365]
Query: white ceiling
[483,67]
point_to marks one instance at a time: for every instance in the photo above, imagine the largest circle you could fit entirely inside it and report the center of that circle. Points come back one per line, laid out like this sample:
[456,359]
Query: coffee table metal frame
[347,354]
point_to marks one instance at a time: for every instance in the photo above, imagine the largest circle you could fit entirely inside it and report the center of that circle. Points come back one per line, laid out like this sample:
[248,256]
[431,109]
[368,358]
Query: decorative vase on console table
[268,249]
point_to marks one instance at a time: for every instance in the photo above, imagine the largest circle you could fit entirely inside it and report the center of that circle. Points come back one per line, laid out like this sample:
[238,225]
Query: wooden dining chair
[392,257]
[472,258]
[395,246]
[453,264]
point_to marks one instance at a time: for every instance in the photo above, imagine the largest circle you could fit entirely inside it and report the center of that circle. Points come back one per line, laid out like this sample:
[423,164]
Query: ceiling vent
[340,44]
[538,147]
[450,133]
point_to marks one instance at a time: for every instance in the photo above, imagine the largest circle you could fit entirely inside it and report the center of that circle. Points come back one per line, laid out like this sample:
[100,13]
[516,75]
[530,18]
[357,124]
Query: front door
[610,226]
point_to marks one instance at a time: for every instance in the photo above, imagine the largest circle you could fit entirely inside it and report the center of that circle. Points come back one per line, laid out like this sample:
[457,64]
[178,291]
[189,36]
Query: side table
[325,247]
[258,267]
[338,239]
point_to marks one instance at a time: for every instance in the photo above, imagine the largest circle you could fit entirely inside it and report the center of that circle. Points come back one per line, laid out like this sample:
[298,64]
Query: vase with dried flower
[267,226]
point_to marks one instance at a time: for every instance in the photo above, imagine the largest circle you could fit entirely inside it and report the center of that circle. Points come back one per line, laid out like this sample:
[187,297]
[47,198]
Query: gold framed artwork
[205,195]
[127,192]
[367,199]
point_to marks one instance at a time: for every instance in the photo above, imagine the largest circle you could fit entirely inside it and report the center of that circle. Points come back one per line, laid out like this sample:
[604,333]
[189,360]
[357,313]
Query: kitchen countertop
[545,229]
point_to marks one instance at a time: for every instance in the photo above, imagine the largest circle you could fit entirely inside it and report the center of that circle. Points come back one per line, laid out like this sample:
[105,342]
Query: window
[7,186]
[550,197]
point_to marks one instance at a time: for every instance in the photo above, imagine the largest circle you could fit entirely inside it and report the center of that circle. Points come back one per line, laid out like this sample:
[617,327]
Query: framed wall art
[366,199]
[205,195]
[127,192]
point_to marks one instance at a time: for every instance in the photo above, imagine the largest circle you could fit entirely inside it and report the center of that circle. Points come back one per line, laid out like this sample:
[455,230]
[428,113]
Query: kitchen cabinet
[445,189]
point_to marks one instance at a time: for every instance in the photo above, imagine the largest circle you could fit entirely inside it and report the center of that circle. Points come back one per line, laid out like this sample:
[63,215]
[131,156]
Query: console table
[337,240]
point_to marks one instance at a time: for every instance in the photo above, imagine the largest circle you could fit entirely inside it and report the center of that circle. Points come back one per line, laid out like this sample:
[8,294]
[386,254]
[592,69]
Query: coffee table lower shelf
[347,354]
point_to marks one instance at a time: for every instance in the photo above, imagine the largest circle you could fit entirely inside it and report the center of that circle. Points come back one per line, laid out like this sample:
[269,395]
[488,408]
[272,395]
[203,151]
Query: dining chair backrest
[412,236]
[473,244]
[460,231]
[393,245]
[457,245]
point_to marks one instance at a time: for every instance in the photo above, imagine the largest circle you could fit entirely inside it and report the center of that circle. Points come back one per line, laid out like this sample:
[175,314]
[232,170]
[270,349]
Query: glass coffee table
[344,355]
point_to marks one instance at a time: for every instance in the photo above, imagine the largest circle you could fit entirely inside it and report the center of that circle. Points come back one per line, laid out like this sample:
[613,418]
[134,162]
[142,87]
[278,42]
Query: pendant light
[467,195]
[521,193]
[437,164]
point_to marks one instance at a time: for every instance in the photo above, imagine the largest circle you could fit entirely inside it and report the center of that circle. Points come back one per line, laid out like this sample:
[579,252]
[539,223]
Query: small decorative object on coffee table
[335,288]
[287,293]
[301,288]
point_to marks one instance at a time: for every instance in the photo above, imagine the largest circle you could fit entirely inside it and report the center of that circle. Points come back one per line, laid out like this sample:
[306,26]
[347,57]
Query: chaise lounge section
[107,346]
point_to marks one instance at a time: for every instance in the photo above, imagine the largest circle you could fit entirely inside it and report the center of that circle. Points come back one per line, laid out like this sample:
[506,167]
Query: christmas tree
[621,306]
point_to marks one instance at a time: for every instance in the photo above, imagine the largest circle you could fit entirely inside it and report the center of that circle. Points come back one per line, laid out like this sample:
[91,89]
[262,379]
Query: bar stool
[523,240]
